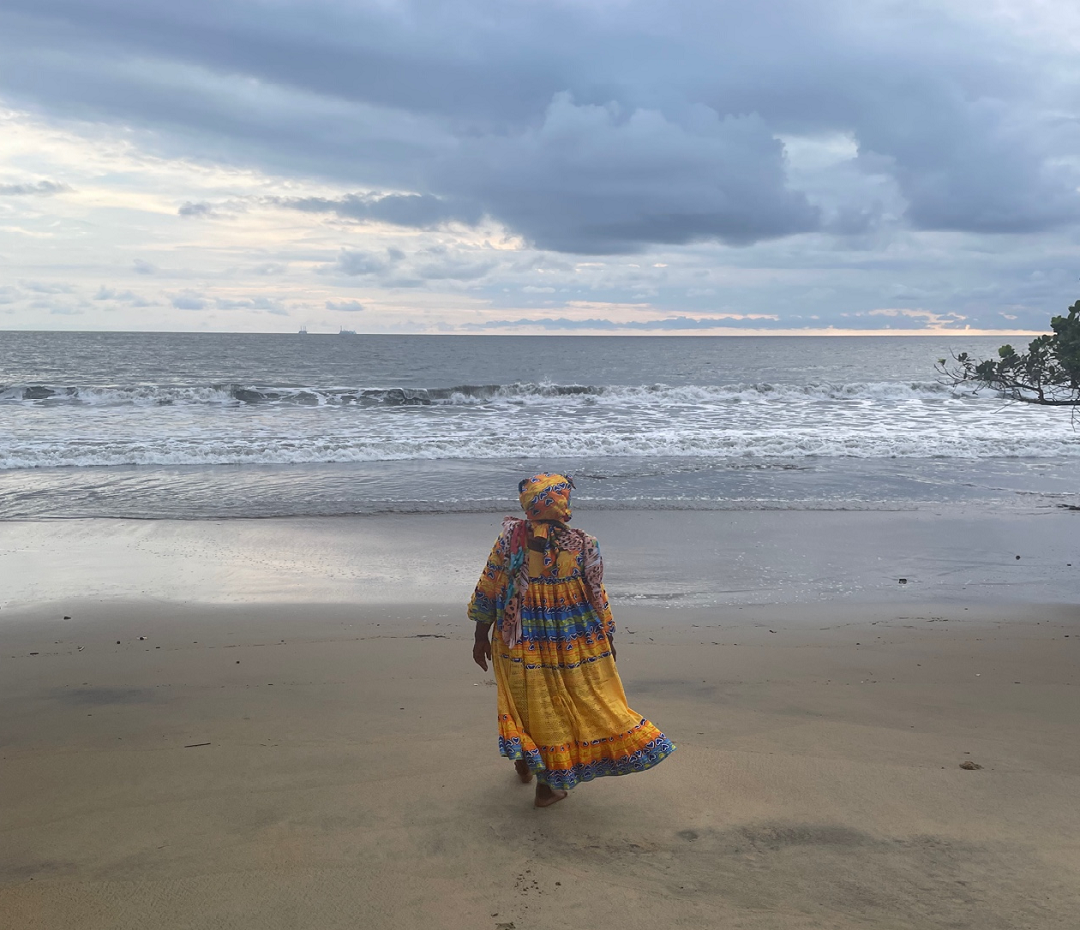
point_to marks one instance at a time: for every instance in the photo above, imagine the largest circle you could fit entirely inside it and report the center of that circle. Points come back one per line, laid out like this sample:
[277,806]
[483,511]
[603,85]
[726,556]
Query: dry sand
[350,777]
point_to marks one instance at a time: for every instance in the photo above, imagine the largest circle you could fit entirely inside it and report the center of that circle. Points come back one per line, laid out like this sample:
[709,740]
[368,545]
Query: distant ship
[346,332]
[303,330]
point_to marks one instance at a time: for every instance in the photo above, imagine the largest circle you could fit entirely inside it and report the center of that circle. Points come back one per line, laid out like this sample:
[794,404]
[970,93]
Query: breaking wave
[233,394]
[54,425]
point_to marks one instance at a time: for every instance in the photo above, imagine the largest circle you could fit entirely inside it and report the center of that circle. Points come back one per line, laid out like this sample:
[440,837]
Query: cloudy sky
[539,165]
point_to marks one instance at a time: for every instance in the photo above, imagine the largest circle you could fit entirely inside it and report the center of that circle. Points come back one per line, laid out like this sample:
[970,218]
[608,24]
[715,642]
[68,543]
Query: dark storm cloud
[591,128]
[602,179]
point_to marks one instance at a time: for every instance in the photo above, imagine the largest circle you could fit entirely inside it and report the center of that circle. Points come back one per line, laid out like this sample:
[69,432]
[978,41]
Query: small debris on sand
[970,766]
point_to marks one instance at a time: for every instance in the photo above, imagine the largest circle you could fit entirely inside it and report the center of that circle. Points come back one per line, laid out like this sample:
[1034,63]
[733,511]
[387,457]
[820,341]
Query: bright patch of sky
[483,166]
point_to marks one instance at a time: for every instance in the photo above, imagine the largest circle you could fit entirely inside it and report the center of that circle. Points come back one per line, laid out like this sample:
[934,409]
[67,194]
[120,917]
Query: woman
[562,711]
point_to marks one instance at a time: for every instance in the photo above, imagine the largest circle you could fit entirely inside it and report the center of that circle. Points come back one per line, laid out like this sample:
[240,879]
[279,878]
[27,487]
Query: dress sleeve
[594,578]
[491,588]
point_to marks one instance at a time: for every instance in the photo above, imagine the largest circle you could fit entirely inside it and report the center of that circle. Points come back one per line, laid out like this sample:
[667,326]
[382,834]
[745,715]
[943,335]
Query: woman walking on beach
[562,711]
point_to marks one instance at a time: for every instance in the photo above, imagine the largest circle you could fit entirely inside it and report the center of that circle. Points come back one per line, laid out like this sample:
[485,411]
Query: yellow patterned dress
[561,704]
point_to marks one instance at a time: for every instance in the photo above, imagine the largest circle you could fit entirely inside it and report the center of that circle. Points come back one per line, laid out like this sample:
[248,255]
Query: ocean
[214,426]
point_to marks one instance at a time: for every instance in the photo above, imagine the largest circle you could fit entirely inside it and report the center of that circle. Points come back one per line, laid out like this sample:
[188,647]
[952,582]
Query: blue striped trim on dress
[651,754]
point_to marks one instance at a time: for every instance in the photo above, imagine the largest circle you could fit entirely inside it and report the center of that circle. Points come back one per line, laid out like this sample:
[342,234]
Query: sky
[540,166]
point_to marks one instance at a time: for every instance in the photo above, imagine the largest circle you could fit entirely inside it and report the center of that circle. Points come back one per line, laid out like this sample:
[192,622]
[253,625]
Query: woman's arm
[481,650]
[484,605]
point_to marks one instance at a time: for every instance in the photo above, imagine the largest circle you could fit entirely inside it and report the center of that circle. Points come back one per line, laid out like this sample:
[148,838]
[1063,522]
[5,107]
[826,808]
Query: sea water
[201,426]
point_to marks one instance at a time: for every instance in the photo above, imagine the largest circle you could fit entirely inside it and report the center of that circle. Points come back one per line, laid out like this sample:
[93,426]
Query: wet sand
[675,559]
[282,751]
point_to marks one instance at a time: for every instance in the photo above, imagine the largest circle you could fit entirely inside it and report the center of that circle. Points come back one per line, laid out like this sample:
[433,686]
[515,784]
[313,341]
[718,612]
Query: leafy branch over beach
[1048,373]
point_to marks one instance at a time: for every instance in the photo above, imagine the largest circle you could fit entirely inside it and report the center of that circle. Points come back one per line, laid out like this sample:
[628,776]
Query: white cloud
[33,189]
[345,306]
[125,296]
[189,300]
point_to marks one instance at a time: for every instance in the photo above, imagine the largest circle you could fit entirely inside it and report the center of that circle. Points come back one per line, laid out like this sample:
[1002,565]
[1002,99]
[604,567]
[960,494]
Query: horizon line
[533,331]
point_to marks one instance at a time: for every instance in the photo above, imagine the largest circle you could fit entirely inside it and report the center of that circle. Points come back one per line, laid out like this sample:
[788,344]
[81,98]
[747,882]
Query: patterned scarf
[546,500]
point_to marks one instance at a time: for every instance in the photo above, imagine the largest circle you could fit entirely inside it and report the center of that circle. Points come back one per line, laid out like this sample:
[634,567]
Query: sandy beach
[301,740]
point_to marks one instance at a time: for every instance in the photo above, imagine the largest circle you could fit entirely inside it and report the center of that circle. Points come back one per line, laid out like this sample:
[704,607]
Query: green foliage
[1047,373]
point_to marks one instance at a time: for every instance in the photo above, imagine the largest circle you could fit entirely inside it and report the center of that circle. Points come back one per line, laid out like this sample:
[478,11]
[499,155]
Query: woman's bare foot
[546,796]
[523,771]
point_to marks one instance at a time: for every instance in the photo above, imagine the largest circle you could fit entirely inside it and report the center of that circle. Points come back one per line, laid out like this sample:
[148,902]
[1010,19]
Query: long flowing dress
[561,703]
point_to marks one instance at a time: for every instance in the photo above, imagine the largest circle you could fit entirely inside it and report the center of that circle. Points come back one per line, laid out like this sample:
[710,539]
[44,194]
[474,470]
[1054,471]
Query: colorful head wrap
[546,497]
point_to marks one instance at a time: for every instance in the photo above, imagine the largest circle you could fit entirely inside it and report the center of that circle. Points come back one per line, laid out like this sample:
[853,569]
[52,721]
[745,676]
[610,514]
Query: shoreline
[672,559]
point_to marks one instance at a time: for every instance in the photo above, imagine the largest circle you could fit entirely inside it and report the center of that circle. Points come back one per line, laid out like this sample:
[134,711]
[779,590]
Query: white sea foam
[673,443]
[225,424]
